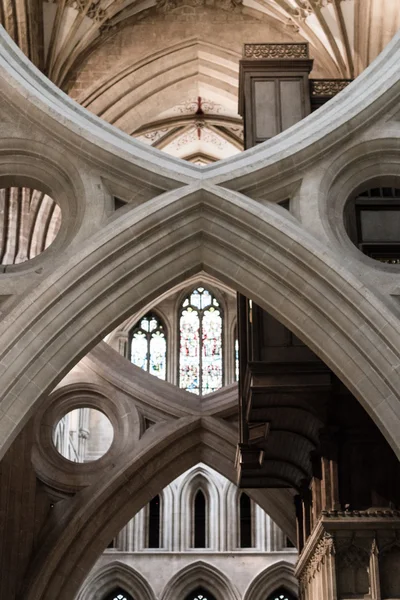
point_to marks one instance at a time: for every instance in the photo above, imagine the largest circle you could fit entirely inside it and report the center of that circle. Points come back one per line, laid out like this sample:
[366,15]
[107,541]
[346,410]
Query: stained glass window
[236,359]
[200,351]
[119,594]
[149,346]
[281,594]
[200,594]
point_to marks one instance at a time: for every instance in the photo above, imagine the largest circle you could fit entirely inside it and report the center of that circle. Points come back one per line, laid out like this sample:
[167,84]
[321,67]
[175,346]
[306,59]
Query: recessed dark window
[374,225]
[154,522]
[200,520]
[245,522]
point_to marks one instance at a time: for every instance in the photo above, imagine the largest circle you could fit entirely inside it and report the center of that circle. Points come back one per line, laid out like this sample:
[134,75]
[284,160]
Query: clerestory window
[200,521]
[200,343]
[154,522]
[148,346]
[245,521]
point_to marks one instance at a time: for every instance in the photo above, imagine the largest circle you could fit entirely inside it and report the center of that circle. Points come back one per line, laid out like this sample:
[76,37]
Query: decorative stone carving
[328,87]
[352,571]
[325,547]
[353,556]
[167,5]
[92,8]
[386,513]
[190,106]
[288,51]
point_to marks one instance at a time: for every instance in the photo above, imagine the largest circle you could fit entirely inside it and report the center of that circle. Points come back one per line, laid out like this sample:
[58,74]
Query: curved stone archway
[104,580]
[81,533]
[251,248]
[131,260]
[201,574]
[278,575]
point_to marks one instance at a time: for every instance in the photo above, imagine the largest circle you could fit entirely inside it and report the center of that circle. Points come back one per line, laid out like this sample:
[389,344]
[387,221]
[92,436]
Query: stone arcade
[200,357]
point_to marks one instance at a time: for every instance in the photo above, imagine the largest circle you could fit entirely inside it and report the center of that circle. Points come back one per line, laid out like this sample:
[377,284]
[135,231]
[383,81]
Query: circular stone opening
[372,221]
[83,435]
[29,221]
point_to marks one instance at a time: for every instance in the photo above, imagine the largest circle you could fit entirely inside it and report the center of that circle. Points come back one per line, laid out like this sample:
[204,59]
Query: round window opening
[372,220]
[30,221]
[83,435]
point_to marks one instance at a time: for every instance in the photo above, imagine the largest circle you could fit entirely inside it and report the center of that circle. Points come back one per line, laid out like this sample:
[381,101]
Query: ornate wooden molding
[285,51]
[328,87]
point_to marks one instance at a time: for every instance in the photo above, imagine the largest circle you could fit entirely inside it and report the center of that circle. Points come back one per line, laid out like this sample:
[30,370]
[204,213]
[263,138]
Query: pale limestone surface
[184,220]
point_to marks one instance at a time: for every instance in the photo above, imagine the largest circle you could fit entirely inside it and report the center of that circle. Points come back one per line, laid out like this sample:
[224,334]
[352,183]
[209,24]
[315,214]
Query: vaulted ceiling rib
[344,35]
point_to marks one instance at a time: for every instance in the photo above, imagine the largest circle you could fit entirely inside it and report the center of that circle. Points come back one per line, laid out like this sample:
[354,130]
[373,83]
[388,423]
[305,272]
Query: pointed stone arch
[252,248]
[281,574]
[153,463]
[195,481]
[201,574]
[103,581]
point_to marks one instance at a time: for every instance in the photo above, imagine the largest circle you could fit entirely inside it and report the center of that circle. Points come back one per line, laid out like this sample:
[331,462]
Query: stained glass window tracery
[281,594]
[200,594]
[149,346]
[119,594]
[200,348]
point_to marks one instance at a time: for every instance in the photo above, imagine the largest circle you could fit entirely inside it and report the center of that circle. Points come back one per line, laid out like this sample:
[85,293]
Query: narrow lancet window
[200,521]
[154,522]
[245,522]
[149,346]
[200,353]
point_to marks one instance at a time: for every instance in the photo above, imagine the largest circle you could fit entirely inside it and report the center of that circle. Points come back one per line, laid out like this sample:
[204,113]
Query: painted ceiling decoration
[195,130]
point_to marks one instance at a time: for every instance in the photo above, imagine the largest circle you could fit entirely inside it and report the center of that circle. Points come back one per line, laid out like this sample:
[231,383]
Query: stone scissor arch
[251,248]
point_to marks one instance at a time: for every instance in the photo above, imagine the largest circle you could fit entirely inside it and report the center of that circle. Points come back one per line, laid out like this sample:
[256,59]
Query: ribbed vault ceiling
[345,35]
